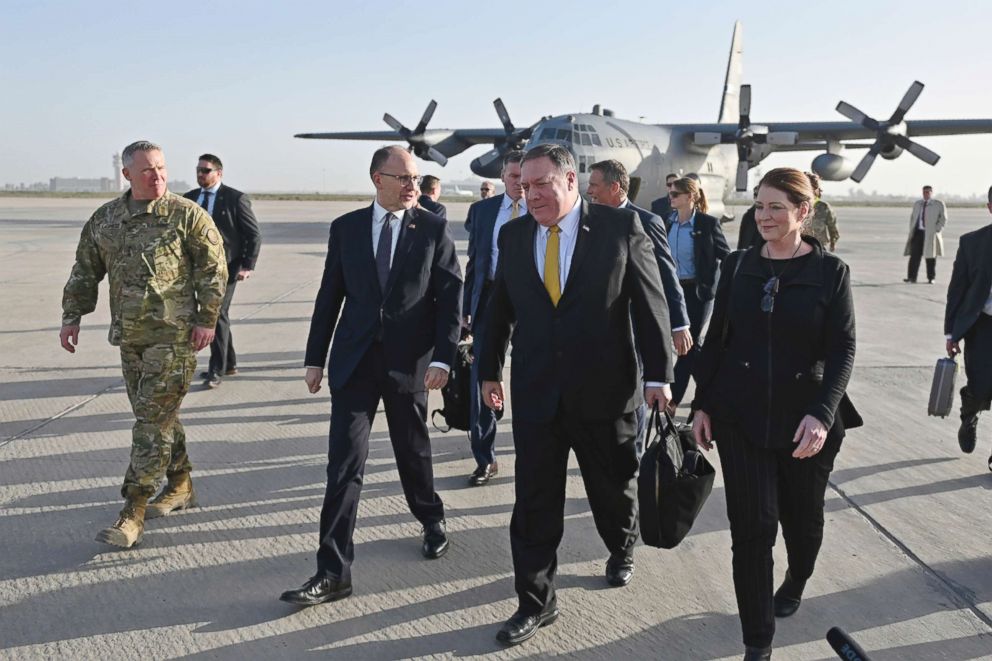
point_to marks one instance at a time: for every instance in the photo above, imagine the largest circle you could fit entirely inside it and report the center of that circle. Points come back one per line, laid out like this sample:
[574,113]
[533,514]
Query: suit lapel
[408,234]
[582,242]
[365,238]
[527,250]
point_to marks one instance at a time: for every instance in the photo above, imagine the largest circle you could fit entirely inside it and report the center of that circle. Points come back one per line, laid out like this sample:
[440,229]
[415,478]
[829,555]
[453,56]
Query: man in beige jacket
[925,225]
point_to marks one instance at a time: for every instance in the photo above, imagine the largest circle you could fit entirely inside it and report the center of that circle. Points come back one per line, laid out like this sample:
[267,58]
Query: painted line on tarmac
[956,593]
[66,411]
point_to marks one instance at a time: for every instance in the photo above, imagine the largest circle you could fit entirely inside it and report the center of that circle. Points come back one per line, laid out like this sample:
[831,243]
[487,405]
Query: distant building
[79,185]
[118,176]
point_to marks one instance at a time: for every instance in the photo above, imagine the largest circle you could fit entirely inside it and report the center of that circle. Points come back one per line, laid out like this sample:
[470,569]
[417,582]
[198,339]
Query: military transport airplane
[721,153]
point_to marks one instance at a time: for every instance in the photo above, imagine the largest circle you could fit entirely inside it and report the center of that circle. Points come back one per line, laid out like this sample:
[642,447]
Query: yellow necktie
[515,209]
[551,279]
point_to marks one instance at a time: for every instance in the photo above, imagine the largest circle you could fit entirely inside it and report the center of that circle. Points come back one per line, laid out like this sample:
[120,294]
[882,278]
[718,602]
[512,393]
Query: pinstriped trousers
[765,487]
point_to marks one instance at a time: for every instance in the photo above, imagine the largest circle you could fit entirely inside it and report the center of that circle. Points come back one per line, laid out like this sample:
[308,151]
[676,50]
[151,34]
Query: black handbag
[674,482]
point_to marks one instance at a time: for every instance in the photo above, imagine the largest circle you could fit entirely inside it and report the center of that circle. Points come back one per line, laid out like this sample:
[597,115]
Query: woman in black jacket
[698,246]
[770,379]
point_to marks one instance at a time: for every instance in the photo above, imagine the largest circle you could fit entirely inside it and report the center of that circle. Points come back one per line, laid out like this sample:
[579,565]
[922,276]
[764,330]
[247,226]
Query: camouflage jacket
[166,268]
[822,225]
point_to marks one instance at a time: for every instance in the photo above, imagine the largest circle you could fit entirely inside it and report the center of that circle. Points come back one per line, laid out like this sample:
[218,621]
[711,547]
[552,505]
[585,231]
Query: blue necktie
[206,201]
[382,251]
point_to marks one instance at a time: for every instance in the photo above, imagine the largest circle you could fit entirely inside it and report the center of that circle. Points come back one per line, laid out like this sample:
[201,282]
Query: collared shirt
[502,218]
[569,226]
[378,221]
[680,238]
[920,224]
[213,197]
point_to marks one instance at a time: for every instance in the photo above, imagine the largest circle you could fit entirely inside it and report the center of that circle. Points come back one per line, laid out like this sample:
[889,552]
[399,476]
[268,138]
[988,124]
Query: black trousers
[765,487]
[978,365]
[482,419]
[699,316]
[607,460]
[916,254]
[353,410]
[222,356]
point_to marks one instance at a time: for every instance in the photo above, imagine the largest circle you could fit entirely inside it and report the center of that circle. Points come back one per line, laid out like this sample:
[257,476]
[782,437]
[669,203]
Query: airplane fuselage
[648,151]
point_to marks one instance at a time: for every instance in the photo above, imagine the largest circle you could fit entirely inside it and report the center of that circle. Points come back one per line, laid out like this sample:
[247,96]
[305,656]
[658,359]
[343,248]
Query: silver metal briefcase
[942,389]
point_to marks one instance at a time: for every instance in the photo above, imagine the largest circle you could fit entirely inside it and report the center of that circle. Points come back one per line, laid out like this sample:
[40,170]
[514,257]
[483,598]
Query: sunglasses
[770,289]
[205,170]
[676,193]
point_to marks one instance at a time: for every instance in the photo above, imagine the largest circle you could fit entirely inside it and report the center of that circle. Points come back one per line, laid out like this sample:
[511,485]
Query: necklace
[771,286]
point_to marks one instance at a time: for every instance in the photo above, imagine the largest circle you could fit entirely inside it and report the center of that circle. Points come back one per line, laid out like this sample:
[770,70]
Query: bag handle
[730,291]
[660,429]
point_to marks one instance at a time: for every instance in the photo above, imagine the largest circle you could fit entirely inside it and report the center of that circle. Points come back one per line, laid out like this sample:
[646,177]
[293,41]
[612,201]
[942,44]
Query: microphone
[845,647]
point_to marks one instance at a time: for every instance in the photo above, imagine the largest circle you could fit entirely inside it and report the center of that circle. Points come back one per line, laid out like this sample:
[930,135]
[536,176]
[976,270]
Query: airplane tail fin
[729,105]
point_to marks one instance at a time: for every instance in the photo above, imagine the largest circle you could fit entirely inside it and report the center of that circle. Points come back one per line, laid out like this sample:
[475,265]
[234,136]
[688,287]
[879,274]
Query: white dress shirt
[502,218]
[213,198]
[569,226]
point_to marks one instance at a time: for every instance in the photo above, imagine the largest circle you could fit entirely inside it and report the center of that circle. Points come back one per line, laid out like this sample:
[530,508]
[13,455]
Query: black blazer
[480,223]
[419,313]
[971,281]
[578,356]
[434,207]
[710,248]
[237,225]
[774,369]
[657,231]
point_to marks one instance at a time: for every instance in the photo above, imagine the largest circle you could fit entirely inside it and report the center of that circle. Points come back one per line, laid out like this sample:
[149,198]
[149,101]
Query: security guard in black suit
[232,214]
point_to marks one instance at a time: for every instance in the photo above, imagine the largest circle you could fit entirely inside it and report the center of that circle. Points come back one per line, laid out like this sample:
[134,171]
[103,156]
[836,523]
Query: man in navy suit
[430,188]
[968,317]
[485,219]
[609,184]
[235,220]
[395,271]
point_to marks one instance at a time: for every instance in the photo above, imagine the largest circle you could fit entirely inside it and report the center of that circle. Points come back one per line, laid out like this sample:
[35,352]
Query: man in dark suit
[485,220]
[430,187]
[609,184]
[572,278]
[663,205]
[231,211]
[968,317]
[394,269]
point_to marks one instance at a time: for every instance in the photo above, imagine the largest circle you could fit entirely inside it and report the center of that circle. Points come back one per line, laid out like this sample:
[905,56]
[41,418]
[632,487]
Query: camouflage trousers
[157,378]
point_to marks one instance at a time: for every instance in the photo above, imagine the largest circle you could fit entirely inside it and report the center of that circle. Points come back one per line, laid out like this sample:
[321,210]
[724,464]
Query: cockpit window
[564,134]
[584,138]
[595,140]
[547,134]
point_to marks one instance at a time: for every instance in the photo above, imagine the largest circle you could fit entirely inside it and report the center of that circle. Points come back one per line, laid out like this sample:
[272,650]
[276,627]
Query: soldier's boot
[129,527]
[178,494]
[968,432]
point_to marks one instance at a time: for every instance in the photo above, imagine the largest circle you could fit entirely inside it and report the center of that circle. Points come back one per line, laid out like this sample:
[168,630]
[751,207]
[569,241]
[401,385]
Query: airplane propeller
[515,138]
[888,134]
[416,137]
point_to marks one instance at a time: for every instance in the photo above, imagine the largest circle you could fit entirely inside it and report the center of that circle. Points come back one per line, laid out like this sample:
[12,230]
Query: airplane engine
[890,152]
[832,167]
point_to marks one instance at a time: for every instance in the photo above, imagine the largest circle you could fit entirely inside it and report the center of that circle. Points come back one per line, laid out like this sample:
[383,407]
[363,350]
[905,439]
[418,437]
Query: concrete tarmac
[905,567]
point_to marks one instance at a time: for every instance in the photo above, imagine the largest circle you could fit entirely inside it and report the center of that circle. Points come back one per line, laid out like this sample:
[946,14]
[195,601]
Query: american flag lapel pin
[412,226]
[585,227]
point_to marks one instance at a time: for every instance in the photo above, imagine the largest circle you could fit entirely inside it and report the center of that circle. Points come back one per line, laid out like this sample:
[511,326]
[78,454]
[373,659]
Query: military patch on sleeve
[212,236]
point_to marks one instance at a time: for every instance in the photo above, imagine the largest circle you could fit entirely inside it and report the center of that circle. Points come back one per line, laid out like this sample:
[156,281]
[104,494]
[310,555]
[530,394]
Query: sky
[82,79]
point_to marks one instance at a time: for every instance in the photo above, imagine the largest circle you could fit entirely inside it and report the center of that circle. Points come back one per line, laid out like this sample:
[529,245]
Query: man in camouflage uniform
[165,262]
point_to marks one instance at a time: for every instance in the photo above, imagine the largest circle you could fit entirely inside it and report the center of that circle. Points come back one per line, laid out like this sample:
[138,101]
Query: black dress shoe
[757,653]
[435,540]
[317,590]
[619,569]
[231,371]
[911,281]
[521,626]
[788,596]
[968,433]
[483,474]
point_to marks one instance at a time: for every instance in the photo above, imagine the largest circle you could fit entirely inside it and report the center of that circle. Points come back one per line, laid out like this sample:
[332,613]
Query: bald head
[394,173]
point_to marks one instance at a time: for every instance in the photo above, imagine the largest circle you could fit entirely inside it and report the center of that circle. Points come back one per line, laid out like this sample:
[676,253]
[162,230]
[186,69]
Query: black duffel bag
[674,483]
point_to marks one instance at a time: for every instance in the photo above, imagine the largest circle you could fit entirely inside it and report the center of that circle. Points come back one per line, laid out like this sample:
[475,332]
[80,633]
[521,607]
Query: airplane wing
[816,133]
[443,142]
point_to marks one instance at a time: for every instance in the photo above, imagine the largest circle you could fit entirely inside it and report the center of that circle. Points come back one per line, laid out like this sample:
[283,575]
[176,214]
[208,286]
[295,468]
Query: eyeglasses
[205,170]
[405,179]
[770,289]
[676,193]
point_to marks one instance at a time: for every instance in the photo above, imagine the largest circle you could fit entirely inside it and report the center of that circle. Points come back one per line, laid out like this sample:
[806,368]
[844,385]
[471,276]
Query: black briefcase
[674,483]
[942,388]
